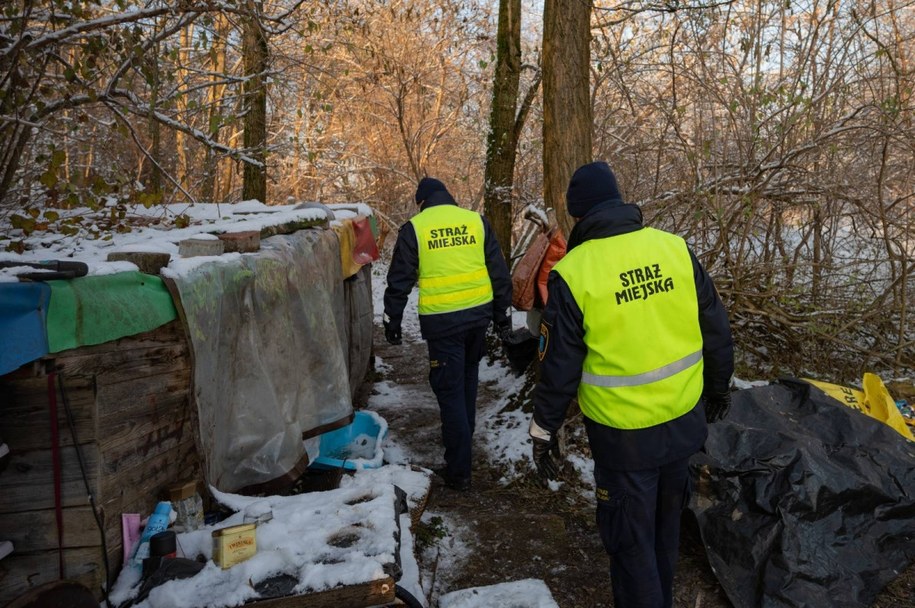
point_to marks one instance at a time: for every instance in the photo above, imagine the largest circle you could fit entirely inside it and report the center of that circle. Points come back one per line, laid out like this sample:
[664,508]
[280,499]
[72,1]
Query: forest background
[776,136]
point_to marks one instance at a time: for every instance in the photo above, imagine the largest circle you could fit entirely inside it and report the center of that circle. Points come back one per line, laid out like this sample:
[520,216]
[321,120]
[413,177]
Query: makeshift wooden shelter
[110,424]
[126,384]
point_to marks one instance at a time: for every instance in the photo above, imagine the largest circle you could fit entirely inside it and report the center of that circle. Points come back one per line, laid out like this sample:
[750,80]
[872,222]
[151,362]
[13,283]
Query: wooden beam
[24,416]
[28,481]
[121,365]
[373,593]
[146,481]
[99,357]
[32,531]
[20,573]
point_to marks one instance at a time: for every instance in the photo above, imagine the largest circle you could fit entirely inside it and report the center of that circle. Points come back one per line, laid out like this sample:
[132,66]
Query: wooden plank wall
[137,434]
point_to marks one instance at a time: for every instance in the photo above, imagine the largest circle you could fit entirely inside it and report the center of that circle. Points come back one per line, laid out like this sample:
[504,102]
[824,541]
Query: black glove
[503,329]
[392,331]
[717,406]
[546,457]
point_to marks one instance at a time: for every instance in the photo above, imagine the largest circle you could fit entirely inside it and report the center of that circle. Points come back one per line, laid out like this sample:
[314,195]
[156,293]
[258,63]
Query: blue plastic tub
[355,446]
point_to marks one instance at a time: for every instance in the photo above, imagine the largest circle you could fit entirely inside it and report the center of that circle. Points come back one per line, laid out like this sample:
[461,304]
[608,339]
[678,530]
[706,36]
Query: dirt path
[508,532]
[498,533]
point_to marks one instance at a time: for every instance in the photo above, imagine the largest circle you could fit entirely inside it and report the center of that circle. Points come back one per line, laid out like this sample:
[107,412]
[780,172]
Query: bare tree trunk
[566,98]
[155,131]
[214,112]
[14,134]
[15,137]
[187,35]
[501,145]
[256,54]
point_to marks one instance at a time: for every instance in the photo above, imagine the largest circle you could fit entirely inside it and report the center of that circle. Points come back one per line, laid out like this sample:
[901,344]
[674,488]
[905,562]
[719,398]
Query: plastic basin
[355,446]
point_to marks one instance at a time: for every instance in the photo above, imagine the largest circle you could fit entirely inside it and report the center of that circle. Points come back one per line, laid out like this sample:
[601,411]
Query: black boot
[461,484]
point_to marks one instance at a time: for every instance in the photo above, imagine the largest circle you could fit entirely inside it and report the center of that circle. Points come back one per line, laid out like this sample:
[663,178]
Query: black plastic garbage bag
[520,347]
[802,501]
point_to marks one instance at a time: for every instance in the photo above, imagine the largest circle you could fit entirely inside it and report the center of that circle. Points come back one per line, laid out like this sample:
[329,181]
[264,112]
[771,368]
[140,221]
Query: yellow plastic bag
[874,400]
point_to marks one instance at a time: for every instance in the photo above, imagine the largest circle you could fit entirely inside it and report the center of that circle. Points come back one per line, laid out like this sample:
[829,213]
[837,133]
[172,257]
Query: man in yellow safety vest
[635,330]
[464,285]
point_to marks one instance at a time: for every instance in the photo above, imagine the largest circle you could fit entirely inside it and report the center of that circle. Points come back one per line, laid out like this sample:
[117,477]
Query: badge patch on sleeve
[544,341]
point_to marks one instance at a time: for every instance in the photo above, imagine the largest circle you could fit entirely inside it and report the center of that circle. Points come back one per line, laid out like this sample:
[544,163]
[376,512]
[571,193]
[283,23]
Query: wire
[82,468]
[406,597]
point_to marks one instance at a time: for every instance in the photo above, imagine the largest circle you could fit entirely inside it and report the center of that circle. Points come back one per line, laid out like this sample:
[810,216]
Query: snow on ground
[501,435]
[527,593]
[447,555]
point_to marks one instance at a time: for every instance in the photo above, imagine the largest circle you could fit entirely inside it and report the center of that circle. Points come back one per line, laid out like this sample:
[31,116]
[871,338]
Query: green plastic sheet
[97,309]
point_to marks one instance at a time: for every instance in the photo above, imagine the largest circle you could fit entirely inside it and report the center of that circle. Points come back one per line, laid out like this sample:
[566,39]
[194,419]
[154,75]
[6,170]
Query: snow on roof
[149,234]
[414,481]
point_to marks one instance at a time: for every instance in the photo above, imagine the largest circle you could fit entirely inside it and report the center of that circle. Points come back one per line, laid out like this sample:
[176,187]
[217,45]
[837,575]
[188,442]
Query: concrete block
[242,242]
[150,262]
[193,247]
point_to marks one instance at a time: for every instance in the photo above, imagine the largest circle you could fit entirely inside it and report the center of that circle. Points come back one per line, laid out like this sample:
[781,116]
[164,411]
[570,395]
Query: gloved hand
[546,451]
[392,331]
[503,328]
[717,406]
[546,457]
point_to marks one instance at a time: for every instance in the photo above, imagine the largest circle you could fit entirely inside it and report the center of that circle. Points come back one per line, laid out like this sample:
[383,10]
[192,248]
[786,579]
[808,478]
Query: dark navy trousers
[638,515]
[454,368]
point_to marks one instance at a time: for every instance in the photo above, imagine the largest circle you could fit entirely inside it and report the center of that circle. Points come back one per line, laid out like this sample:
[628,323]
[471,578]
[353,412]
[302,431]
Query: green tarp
[97,309]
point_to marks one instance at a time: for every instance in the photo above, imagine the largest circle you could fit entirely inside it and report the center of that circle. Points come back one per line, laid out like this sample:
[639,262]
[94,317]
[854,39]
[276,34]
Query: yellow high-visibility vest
[452,260]
[641,320]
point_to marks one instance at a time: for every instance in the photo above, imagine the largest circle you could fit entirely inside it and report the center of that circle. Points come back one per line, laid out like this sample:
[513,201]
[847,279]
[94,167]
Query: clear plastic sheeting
[801,502]
[270,355]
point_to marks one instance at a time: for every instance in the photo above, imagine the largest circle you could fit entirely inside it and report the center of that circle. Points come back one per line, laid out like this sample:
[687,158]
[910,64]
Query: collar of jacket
[603,220]
[439,197]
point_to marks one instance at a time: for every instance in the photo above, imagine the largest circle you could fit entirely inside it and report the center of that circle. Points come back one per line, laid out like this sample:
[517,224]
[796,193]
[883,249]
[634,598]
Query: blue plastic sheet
[23,334]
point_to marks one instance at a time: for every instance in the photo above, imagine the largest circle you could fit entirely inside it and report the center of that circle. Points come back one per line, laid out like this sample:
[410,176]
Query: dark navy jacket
[404,272]
[560,372]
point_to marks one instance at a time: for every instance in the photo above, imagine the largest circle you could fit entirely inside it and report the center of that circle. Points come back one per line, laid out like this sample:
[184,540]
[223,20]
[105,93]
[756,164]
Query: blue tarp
[23,310]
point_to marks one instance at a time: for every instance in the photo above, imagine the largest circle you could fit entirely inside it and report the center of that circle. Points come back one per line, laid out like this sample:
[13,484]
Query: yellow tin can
[234,544]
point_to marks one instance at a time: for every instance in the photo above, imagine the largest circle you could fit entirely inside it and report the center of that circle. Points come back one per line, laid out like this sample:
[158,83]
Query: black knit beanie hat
[426,187]
[591,184]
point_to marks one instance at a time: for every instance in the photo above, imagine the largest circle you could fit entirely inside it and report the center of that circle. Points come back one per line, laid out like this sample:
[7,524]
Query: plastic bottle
[156,523]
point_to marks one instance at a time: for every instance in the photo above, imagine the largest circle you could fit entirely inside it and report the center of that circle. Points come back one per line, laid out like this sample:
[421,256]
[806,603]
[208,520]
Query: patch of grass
[429,533]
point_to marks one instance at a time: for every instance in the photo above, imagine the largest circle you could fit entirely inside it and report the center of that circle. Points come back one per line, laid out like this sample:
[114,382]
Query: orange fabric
[365,250]
[555,252]
[357,245]
[524,276]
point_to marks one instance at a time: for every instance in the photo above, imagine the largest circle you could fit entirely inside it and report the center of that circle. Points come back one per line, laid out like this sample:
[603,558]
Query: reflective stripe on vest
[648,377]
[452,260]
[637,293]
